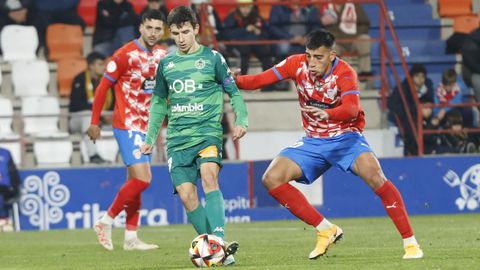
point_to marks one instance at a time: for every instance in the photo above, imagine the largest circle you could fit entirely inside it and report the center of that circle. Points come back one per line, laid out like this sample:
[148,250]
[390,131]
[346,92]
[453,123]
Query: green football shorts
[184,165]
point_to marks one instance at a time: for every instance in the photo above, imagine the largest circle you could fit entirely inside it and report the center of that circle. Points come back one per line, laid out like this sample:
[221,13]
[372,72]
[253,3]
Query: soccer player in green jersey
[189,88]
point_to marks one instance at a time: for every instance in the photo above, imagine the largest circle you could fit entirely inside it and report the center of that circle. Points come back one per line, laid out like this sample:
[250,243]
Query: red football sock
[127,195]
[132,210]
[292,199]
[393,203]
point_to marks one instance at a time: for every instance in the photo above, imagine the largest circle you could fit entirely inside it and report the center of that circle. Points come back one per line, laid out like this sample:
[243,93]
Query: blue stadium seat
[403,15]
[410,33]
[413,49]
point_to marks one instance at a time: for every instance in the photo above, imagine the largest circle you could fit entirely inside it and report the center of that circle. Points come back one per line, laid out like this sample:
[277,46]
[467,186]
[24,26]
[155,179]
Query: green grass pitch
[448,241]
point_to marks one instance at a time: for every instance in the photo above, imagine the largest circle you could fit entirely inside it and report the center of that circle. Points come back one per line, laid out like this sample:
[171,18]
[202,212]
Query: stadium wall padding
[75,198]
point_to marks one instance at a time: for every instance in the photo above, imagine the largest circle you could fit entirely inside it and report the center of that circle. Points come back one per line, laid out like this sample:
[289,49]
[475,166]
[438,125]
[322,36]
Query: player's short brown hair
[181,15]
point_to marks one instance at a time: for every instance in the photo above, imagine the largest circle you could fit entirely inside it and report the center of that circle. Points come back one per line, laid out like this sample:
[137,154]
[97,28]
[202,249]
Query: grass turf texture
[449,242]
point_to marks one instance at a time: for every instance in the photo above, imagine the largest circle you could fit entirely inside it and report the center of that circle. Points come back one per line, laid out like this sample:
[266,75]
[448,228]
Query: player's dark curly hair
[318,38]
[152,14]
[180,15]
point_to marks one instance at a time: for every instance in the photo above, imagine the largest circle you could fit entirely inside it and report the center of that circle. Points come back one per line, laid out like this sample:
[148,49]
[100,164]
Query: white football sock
[325,224]
[106,219]
[410,241]
[129,235]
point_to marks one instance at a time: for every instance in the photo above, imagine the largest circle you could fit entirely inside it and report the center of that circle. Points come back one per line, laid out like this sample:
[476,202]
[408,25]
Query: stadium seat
[223,9]
[66,72]
[107,147]
[138,5]
[87,10]
[14,47]
[15,148]
[466,24]
[6,120]
[53,152]
[64,41]
[175,3]
[453,8]
[30,78]
[265,8]
[41,116]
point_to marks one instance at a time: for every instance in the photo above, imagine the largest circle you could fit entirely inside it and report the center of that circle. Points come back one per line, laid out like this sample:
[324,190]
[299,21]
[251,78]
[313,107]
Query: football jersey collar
[137,42]
[334,64]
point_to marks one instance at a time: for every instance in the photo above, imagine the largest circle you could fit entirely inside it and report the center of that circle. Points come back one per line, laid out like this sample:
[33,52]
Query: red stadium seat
[466,24]
[453,8]
[64,41]
[87,10]
[222,9]
[175,3]
[67,70]
[265,8]
[138,5]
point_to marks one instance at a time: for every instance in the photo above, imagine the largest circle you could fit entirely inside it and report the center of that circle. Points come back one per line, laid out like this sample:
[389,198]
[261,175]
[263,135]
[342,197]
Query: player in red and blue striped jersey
[333,121]
[131,73]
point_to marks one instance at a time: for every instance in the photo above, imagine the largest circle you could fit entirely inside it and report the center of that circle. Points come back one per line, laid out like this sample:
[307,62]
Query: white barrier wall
[262,145]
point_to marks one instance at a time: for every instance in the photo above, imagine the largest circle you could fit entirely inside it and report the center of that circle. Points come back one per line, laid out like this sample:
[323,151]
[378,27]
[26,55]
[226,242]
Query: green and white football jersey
[194,85]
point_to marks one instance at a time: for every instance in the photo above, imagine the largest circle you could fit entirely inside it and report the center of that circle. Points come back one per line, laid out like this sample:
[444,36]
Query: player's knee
[374,177]
[209,182]
[187,198]
[272,179]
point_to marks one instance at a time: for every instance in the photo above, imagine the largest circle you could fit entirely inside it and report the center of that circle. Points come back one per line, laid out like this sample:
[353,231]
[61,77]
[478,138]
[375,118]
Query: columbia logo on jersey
[187,108]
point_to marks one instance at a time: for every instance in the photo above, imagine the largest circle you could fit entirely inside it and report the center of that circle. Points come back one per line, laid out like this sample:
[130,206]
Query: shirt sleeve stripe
[277,73]
[355,92]
[109,78]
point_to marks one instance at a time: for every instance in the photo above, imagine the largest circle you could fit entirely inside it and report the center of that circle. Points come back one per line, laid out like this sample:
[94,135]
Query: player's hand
[235,74]
[93,132]
[146,149]
[239,132]
[321,114]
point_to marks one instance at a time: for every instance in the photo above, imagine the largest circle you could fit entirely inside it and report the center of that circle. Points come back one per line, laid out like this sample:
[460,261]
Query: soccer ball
[207,250]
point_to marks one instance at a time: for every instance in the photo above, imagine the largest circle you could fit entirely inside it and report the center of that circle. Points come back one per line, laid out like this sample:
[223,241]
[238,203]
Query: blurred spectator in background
[457,140]
[449,91]
[54,11]
[16,12]
[292,22]
[349,21]
[155,5]
[245,23]
[9,189]
[213,20]
[114,26]
[397,113]
[430,141]
[81,99]
[471,62]
[159,5]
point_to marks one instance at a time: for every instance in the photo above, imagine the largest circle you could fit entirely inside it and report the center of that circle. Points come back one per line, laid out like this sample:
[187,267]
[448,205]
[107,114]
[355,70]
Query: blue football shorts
[316,155]
[129,143]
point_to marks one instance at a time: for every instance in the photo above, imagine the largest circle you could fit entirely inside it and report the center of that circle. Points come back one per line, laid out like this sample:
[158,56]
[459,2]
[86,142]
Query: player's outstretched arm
[157,112]
[256,81]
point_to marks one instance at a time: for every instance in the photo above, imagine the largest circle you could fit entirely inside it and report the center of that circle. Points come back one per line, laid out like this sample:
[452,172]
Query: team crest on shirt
[200,64]
[331,93]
